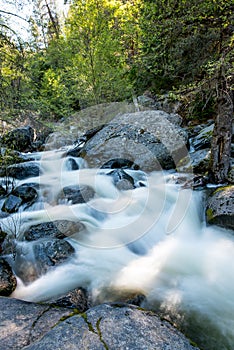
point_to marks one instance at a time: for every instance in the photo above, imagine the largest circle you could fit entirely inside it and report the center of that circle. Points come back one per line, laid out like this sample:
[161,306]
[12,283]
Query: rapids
[151,240]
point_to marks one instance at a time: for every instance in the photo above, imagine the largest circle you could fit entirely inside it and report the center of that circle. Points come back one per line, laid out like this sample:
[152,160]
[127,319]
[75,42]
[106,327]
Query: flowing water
[150,240]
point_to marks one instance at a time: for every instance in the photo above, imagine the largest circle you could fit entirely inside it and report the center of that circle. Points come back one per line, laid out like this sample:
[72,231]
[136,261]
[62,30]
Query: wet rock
[23,323]
[7,278]
[119,163]
[21,171]
[76,299]
[220,207]
[76,194]
[196,162]
[33,261]
[148,139]
[27,192]
[19,139]
[53,229]
[20,195]
[113,327]
[12,204]
[3,235]
[203,139]
[3,192]
[72,164]
[122,180]
[51,253]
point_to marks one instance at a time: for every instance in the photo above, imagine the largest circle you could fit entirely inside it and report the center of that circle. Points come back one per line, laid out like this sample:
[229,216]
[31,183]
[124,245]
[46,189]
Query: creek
[149,240]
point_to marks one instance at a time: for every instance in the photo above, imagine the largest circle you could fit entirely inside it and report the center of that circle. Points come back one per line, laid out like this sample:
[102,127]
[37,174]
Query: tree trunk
[222,134]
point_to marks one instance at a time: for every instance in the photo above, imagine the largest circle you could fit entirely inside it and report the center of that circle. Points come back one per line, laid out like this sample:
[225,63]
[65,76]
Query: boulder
[19,139]
[21,171]
[7,278]
[34,260]
[115,327]
[53,229]
[220,207]
[76,194]
[149,139]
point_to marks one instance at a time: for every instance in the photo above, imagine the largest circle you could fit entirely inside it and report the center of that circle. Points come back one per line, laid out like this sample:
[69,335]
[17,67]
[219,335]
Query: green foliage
[98,33]
[109,49]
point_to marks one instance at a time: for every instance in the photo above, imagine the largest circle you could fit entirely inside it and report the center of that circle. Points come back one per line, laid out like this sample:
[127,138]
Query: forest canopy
[111,50]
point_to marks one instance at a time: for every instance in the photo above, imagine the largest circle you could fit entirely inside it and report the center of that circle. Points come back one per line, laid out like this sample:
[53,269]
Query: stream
[150,240]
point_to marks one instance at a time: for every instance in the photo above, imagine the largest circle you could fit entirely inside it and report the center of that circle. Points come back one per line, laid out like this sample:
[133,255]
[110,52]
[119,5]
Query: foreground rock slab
[23,323]
[108,326]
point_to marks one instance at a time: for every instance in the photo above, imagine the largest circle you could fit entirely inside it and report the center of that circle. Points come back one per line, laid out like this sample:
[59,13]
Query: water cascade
[149,240]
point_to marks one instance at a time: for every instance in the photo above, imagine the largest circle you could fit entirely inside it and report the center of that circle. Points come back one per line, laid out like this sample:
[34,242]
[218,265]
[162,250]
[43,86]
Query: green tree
[101,35]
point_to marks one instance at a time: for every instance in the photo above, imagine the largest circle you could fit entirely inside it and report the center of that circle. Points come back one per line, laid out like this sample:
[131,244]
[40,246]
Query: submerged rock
[115,327]
[220,207]
[7,279]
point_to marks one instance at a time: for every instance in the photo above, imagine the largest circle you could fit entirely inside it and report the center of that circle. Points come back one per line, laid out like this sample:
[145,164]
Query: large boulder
[151,139]
[7,278]
[115,327]
[19,139]
[220,207]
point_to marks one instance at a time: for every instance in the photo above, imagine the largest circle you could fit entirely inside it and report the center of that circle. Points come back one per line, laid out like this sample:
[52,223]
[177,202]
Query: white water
[149,240]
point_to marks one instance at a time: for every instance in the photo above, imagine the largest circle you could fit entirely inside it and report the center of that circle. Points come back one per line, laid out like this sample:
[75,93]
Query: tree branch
[13,14]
